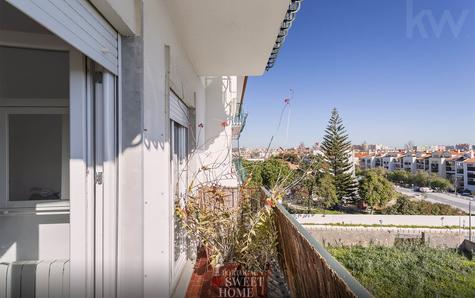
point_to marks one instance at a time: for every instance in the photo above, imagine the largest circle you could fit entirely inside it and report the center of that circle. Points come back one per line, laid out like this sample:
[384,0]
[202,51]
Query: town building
[409,163]
[451,165]
[437,163]
[469,174]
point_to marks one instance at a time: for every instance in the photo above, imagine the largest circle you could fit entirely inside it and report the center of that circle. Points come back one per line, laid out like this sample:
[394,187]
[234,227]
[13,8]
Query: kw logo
[418,22]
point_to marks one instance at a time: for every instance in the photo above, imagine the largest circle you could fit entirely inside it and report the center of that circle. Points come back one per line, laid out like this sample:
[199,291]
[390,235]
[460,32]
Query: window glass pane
[37,145]
[180,185]
[33,74]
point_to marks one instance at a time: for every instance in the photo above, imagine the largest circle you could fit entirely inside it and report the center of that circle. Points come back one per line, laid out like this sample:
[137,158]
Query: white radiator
[34,279]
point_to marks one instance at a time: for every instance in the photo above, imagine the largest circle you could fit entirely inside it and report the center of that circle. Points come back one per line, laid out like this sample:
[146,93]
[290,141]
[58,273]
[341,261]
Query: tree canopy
[337,150]
[375,189]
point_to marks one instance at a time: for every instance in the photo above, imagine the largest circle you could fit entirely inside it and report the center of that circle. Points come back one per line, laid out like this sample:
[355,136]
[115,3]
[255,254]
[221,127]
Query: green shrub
[268,173]
[421,179]
[406,206]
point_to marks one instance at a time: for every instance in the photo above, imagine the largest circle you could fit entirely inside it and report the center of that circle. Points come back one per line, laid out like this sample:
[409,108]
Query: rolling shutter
[178,110]
[77,23]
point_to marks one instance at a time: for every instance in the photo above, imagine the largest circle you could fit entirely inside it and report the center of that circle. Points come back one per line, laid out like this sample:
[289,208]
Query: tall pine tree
[337,150]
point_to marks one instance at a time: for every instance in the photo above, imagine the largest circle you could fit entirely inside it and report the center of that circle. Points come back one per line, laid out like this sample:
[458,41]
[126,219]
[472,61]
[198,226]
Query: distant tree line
[420,179]
[328,181]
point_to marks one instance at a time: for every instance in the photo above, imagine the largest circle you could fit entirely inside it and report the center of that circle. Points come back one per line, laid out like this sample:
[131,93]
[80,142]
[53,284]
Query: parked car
[425,189]
[467,193]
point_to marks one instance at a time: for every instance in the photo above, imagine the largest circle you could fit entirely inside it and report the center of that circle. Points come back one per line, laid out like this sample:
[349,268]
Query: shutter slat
[178,110]
[88,32]
[76,22]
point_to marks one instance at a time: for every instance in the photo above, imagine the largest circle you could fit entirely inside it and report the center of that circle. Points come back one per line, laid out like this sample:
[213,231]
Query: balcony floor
[276,285]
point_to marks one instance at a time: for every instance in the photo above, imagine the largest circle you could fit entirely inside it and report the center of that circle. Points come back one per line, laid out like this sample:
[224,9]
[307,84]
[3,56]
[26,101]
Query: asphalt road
[458,201]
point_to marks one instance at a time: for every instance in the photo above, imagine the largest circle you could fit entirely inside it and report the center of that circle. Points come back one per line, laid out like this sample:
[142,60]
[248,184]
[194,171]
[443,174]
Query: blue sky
[394,74]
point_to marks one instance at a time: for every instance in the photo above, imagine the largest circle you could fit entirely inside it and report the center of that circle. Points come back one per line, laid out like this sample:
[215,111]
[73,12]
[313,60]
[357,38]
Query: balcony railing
[240,170]
[238,123]
[309,269]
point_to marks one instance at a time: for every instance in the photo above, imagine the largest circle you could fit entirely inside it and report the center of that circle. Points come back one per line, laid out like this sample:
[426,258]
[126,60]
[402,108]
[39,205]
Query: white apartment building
[409,163]
[454,166]
[454,170]
[392,161]
[422,162]
[437,163]
[469,174]
[367,162]
[106,109]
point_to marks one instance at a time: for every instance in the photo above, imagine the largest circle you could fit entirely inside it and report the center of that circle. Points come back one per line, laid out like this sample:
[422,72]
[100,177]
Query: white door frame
[93,220]
[81,179]
[105,169]
[178,176]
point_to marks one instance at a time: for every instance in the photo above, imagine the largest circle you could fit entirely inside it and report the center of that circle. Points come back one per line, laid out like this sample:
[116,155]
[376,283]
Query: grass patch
[409,271]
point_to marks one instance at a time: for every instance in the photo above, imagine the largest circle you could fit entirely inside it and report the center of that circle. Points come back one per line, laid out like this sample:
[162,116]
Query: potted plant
[238,242]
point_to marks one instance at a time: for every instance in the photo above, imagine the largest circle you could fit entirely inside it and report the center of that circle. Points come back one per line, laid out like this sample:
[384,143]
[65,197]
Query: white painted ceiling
[230,37]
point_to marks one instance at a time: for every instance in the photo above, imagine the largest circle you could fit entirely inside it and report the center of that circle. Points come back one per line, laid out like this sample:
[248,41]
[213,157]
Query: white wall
[34,237]
[221,95]
[124,15]
[211,97]
[423,220]
[159,33]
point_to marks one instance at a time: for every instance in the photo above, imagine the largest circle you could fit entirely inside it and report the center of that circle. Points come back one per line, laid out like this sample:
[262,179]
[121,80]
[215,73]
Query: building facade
[448,164]
[108,110]
[469,174]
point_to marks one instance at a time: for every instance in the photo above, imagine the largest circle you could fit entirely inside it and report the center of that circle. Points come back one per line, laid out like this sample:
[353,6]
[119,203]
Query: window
[35,159]
[179,159]
[34,127]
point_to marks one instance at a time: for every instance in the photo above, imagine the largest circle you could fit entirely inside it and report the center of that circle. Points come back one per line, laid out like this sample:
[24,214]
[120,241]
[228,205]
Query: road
[460,202]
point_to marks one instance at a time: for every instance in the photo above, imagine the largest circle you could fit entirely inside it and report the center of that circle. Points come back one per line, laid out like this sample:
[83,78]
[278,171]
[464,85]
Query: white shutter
[178,110]
[77,23]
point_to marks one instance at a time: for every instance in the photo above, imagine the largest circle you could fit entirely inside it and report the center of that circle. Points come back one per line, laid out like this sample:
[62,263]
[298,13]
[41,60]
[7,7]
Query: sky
[396,70]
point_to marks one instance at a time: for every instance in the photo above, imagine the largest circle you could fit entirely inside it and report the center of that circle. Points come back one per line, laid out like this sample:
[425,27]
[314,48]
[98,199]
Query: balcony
[471,169]
[238,123]
[309,269]
[302,267]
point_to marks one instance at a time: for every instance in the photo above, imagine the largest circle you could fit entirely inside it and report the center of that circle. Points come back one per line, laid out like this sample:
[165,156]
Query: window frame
[5,202]
[178,115]
[178,133]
